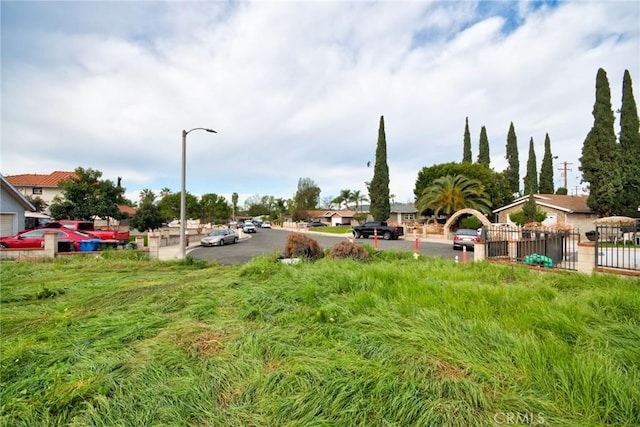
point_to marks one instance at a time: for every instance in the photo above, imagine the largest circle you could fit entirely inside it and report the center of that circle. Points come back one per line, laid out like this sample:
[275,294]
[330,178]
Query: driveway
[272,241]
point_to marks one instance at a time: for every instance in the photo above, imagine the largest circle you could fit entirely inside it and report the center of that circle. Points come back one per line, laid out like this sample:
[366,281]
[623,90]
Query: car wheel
[357,234]
[386,235]
[3,246]
[221,242]
[235,240]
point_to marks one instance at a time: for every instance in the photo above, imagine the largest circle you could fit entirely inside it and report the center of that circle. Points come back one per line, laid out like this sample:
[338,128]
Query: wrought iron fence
[545,246]
[618,246]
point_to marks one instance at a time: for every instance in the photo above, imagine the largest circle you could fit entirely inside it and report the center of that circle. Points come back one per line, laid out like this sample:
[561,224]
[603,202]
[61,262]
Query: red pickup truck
[87,226]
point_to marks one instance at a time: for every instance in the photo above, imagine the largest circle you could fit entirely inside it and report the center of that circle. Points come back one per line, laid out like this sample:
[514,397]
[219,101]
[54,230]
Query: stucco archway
[483,219]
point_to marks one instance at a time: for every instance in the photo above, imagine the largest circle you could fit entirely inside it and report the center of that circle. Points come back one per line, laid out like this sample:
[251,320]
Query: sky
[296,89]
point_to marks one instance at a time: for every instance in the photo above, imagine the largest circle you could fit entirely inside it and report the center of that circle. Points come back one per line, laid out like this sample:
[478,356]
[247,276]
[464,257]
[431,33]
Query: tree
[531,178]
[545,186]
[37,203]
[214,208]
[234,204]
[495,183]
[147,215]
[529,209]
[345,197]
[379,186]
[86,197]
[169,206]
[449,194]
[308,194]
[513,169]
[483,154]
[630,149]
[466,150]
[600,160]
[357,197]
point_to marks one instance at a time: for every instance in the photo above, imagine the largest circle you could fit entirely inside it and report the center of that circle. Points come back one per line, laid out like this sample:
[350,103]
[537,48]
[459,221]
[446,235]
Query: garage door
[7,227]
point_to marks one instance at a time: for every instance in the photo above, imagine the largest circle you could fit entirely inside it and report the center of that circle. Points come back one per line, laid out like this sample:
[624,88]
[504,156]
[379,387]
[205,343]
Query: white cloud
[297,89]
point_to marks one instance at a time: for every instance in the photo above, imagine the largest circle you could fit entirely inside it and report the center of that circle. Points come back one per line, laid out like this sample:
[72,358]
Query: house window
[37,190]
[408,217]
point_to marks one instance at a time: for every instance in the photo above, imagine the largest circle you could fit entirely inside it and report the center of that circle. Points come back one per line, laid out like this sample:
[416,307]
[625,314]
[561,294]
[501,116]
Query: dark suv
[316,224]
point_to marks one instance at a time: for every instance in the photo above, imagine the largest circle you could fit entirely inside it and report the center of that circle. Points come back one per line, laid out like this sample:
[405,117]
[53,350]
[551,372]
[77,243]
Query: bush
[471,222]
[300,246]
[347,249]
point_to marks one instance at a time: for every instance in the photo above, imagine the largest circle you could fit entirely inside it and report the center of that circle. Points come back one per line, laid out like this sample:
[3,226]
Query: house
[400,213]
[332,217]
[12,209]
[48,186]
[45,187]
[560,209]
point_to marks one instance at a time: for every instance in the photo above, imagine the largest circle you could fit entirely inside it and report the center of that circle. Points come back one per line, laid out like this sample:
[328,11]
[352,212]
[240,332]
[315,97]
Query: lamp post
[183,191]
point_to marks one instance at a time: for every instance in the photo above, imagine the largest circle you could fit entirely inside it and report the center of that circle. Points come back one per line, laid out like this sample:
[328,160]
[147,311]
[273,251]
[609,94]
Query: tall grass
[391,341]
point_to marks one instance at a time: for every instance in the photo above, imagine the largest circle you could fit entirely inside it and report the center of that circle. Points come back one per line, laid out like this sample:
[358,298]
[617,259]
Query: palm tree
[344,197]
[147,195]
[357,197]
[166,191]
[449,194]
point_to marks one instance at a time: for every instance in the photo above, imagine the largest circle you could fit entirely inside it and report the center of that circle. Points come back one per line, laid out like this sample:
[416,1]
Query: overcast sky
[296,89]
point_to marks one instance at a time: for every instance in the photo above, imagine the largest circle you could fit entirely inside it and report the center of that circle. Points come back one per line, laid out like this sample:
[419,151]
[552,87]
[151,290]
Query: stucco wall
[10,206]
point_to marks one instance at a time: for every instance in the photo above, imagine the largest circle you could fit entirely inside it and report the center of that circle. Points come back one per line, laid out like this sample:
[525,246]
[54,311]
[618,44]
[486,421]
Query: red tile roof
[38,180]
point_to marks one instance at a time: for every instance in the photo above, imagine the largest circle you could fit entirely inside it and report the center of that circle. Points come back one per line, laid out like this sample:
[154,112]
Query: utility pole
[564,173]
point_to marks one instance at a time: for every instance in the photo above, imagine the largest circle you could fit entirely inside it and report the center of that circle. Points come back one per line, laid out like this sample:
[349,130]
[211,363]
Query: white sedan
[266,224]
[219,237]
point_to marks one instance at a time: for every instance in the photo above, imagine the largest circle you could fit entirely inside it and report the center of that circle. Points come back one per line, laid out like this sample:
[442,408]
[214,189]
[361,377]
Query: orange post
[464,254]
[375,239]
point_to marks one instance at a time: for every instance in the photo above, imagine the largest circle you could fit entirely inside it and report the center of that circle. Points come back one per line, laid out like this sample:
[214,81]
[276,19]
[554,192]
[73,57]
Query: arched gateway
[483,219]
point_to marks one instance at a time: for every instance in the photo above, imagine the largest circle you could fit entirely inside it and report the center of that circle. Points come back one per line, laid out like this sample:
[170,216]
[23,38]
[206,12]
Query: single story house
[332,217]
[12,209]
[560,209]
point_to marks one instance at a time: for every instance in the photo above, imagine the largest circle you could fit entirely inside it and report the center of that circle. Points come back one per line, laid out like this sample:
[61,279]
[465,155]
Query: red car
[35,238]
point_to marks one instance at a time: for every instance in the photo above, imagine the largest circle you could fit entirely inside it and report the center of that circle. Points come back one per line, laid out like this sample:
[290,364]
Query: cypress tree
[483,154]
[529,209]
[466,149]
[531,178]
[546,169]
[630,149]
[600,160]
[513,169]
[379,186]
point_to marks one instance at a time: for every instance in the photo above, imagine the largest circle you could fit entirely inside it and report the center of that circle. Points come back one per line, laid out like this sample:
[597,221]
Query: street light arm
[186,132]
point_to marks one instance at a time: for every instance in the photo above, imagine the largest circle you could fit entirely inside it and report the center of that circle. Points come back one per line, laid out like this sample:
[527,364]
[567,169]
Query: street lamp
[183,191]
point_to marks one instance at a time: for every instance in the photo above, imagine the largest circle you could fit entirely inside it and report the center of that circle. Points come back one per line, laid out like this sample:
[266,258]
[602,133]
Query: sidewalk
[172,252]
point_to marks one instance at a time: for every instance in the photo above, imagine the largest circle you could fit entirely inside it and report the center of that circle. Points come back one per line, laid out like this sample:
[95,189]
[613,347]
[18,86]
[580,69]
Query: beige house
[43,186]
[560,209]
[46,187]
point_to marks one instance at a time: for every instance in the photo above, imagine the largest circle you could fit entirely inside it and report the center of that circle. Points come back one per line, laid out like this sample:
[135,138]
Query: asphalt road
[272,241]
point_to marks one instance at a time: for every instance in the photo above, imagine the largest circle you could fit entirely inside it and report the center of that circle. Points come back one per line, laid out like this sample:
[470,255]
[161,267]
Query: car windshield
[217,233]
[465,232]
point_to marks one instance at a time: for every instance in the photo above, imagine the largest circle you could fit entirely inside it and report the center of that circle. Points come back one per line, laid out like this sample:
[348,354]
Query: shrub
[300,246]
[347,249]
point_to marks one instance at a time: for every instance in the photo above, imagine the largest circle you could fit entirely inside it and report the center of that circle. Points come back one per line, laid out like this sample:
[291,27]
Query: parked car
[266,224]
[316,224]
[219,237]
[465,237]
[249,227]
[35,238]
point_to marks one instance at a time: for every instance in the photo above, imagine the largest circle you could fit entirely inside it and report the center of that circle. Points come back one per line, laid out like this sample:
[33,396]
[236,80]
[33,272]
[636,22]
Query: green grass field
[119,341]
